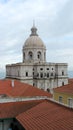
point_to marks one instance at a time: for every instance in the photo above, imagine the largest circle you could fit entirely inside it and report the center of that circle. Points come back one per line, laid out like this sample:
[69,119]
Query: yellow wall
[64,96]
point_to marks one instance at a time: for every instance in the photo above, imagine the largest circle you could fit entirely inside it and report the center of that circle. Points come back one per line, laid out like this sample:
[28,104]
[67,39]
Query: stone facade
[34,69]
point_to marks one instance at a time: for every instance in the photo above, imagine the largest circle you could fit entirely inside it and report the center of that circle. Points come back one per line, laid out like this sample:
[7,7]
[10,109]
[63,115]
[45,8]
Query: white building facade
[34,69]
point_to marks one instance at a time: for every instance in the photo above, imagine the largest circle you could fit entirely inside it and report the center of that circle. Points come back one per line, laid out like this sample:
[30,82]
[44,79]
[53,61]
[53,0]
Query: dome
[34,41]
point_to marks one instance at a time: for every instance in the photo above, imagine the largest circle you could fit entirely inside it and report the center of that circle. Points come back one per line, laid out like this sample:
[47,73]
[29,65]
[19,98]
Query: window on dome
[39,55]
[24,55]
[30,55]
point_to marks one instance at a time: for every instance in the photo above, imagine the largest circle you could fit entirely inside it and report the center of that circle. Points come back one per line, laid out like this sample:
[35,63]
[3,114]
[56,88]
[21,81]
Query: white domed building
[34,49]
[34,69]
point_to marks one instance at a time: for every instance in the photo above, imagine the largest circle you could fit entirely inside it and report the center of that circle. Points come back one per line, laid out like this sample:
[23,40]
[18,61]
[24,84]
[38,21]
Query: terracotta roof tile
[47,116]
[12,109]
[65,89]
[70,80]
[20,89]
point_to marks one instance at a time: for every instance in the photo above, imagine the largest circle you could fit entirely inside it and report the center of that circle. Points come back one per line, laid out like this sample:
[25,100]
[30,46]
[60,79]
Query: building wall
[42,75]
[65,97]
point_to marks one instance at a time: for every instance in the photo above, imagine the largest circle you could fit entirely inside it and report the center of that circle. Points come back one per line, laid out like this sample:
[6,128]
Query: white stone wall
[37,74]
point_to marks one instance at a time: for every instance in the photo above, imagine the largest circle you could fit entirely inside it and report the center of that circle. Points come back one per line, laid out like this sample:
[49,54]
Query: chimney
[12,83]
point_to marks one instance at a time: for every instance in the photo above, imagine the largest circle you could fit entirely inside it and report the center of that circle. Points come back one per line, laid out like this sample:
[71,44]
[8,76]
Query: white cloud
[54,22]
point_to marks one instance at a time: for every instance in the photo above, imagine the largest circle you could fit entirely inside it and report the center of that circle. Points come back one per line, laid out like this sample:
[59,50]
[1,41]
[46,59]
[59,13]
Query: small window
[48,90]
[62,83]
[39,55]
[26,74]
[70,102]
[41,75]
[41,68]
[47,75]
[47,68]
[24,55]
[51,74]
[33,73]
[62,72]
[33,84]
[60,99]
[52,68]
[30,55]
[37,74]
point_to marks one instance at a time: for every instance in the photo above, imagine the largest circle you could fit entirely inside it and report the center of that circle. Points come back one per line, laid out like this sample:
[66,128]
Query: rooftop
[68,89]
[20,89]
[39,115]
[47,115]
[12,109]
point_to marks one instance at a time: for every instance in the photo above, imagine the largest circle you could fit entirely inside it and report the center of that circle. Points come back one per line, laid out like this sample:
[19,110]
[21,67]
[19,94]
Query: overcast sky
[53,19]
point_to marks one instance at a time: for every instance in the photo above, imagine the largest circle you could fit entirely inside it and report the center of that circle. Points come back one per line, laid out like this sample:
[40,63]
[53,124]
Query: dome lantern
[33,31]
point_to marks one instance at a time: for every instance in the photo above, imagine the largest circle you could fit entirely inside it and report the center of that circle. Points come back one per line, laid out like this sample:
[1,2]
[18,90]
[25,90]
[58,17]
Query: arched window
[30,55]
[39,55]
[24,55]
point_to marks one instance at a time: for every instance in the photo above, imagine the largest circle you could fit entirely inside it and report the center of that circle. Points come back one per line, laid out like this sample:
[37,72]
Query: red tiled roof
[47,116]
[68,89]
[20,89]
[12,109]
[70,80]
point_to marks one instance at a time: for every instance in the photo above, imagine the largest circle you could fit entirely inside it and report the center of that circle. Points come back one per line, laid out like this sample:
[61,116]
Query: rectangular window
[70,102]
[26,74]
[60,99]
[62,72]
